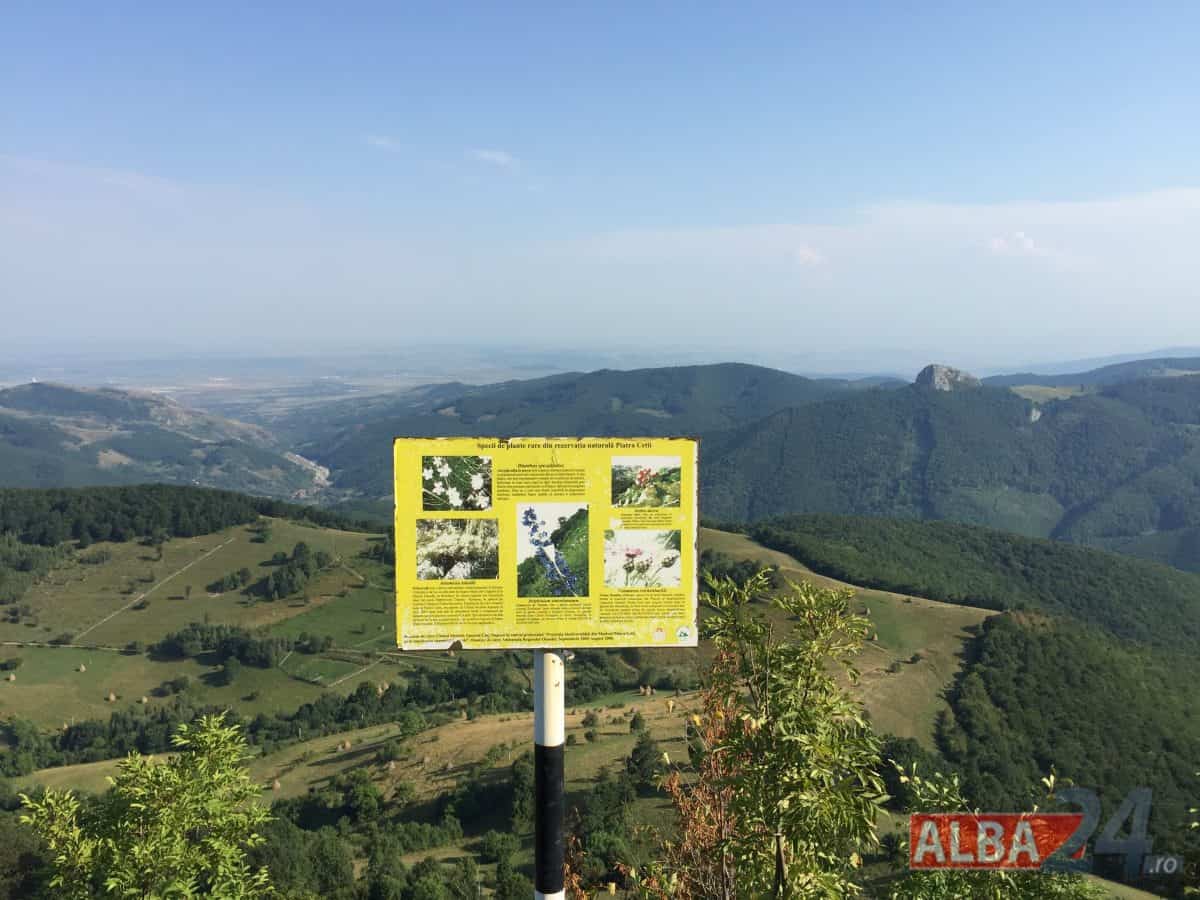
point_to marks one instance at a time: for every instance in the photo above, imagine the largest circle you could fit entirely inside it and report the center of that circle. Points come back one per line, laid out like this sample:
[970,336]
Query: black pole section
[551,814]
[549,801]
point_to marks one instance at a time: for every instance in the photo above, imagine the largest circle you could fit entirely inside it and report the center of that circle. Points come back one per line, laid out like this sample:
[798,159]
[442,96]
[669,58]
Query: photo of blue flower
[552,546]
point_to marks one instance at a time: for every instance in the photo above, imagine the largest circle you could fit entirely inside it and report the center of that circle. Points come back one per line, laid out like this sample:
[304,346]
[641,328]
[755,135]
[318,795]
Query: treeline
[49,517]
[21,565]
[322,864]
[719,565]
[383,551]
[1130,598]
[231,582]
[293,572]
[478,687]
[226,642]
[1038,695]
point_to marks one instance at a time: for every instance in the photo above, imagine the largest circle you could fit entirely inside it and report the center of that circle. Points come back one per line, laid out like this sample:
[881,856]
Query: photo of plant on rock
[458,548]
[645,480]
[641,558]
[552,546]
[456,482]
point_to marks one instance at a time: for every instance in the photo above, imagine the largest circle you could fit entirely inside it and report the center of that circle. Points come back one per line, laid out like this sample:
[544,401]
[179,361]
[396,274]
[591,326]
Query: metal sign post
[549,738]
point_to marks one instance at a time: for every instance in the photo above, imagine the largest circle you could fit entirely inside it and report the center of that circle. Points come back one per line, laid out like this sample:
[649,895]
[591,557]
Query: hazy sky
[1007,183]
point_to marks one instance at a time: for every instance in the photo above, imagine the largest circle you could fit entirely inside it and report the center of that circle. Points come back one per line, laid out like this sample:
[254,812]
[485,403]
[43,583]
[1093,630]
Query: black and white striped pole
[549,737]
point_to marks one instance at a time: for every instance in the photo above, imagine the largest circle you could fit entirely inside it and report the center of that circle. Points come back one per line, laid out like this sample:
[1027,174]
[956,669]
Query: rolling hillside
[1117,466]
[1090,670]
[1105,376]
[58,436]
[946,674]
[1103,468]
[354,438]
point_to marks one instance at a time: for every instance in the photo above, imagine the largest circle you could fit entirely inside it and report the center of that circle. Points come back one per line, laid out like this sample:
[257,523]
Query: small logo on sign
[683,633]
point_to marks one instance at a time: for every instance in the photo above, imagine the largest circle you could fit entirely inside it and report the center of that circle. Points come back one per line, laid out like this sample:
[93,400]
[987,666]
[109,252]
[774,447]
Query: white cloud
[500,158]
[809,256]
[1017,244]
[383,142]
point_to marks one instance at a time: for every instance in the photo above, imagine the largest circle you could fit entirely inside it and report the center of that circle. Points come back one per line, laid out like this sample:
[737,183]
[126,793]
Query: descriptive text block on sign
[546,542]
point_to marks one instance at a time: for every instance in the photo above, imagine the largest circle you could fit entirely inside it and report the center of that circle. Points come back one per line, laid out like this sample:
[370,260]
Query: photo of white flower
[457,548]
[456,483]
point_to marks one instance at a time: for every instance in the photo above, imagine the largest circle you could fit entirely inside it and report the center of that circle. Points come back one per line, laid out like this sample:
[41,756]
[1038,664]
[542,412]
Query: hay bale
[275,785]
[111,698]
[12,676]
[82,668]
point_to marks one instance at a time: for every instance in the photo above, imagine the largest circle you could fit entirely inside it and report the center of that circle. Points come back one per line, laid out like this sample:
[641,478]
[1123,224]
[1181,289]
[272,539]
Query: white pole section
[549,737]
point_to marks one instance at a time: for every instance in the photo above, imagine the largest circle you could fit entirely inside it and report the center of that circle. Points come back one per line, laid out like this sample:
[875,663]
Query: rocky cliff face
[945,378]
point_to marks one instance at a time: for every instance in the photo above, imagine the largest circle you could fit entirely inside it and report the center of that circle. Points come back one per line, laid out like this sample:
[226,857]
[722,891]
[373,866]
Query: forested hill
[1131,599]
[58,436]
[1091,673]
[354,437]
[1111,468]
[49,517]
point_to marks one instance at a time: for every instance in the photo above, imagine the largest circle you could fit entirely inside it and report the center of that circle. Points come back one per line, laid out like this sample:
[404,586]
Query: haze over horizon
[986,189]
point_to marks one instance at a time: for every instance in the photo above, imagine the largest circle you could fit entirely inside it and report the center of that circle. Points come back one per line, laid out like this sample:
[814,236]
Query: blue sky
[989,182]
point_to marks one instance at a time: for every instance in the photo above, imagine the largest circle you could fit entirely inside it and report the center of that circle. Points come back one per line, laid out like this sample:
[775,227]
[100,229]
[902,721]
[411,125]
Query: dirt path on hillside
[150,591]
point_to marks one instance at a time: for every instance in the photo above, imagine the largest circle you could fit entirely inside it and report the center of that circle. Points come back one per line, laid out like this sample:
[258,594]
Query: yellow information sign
[545,542]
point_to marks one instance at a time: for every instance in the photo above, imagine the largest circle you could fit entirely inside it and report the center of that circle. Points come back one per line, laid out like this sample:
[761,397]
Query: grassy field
[359,615]
[94,603]
[135,597]
[905,702]
[1040,393]
[50,688]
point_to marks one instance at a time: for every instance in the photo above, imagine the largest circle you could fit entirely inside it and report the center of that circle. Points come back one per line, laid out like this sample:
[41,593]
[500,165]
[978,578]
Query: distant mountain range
[354,436]
[1117,465]
[1109,457]
[57,436]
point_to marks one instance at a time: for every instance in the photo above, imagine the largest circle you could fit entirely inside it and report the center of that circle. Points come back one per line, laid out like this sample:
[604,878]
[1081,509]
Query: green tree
[22,866]
[177,829]
[644,763]
[230,670]
[463,881]
[332,862]
[498,846]
[522,793]
[510,884]
[797,792]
